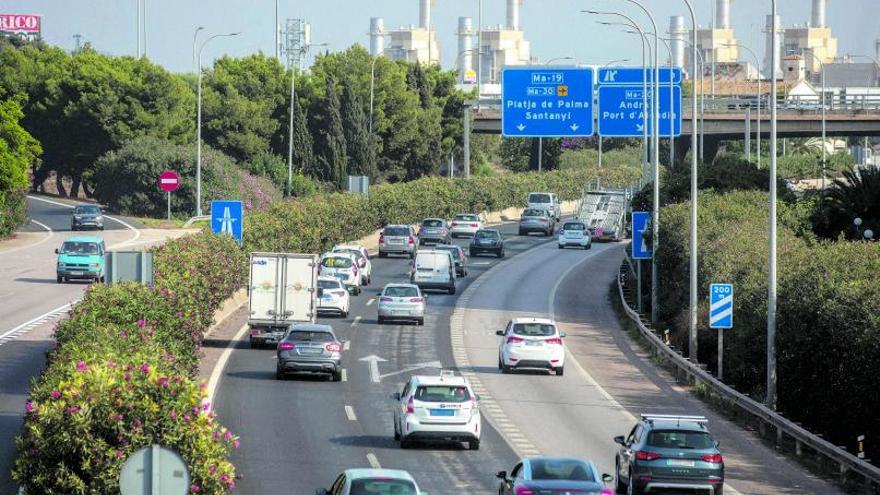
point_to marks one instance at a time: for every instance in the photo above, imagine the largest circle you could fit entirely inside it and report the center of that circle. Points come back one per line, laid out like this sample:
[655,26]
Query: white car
[401,302]
[363,257]
[335,298]
[367,481]
[531,344]
[437,407]
[343,266]
[546,201]
[575,233]
[466,224]
[433,269]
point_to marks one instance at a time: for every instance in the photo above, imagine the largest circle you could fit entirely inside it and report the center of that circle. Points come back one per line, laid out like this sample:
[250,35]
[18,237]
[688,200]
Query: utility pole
[77,42]
[770,398]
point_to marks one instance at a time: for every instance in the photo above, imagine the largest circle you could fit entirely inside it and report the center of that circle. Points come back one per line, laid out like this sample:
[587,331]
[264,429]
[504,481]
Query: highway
[298,434]
[33,302]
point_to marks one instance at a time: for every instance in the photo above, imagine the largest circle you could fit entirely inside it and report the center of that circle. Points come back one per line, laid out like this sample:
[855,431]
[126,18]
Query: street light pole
[195,37]
[822,102]
[199,124]
[758,67]
[671,99]
[771,274]
[615,62]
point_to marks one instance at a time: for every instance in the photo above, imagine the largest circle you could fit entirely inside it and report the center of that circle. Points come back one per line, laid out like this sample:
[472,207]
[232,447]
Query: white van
[546,201]
[433,269]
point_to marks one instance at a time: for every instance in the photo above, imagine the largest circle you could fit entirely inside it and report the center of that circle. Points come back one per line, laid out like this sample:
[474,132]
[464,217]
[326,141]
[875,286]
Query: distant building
[412,43]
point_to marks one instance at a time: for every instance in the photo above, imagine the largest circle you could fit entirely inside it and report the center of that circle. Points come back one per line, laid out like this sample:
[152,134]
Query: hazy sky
[555,28]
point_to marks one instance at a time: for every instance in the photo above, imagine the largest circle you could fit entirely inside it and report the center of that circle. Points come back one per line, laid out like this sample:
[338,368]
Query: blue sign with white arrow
[631,76]
[620,111]
[641,224]
[546,102]
[721,306]
[227,218]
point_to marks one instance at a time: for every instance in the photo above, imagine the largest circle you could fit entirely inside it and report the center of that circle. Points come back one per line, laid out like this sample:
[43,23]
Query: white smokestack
[465,45]
[819,10]
[769,48]
[513,14]
[377,36]
[425,14]
[678,32]
[877,49]
[722,14]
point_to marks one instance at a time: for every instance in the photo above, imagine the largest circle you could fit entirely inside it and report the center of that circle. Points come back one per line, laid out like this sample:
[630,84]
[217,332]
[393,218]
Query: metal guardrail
[698,376]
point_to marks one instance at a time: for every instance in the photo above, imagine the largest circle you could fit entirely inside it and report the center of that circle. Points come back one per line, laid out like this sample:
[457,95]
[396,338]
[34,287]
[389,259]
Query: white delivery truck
[282,291]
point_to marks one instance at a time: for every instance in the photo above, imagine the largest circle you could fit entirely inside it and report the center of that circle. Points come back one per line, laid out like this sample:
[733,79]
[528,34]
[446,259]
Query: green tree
[18,151]
[855,195]
[551,153]
[515,154]
[359,144]
[303,152]
[330,142]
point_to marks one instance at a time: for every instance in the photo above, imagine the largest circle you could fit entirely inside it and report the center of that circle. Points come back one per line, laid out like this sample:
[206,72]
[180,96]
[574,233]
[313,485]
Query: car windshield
[539,198]
[336,262]
[487,234]
[677,439]
[87,210]
[310,336]
[560,469]
[574,226]
[534,329]
[357,254]
[432,223]
[401,291]
[382,486]
[73,247]
[533,212]
[442,393]
[329,284]
[396,231]
[455,253]
[467,218]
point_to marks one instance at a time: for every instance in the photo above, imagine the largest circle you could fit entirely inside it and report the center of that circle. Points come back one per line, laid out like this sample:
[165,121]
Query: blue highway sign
[227,218]
[631,76]
[641,224]
[546,102]
[620,111]
[721,306]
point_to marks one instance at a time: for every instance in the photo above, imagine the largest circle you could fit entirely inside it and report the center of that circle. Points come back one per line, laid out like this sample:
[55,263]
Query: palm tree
[855,195]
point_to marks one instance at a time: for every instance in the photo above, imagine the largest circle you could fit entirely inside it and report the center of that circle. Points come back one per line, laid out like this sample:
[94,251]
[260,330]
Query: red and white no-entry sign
[169,180]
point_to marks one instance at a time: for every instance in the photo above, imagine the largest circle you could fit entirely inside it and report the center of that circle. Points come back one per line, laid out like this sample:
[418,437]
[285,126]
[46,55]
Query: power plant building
[412,43]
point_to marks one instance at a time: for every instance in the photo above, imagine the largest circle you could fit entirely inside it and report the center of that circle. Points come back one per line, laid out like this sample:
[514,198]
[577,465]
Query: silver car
[397,239]
[537,220]
[401,302]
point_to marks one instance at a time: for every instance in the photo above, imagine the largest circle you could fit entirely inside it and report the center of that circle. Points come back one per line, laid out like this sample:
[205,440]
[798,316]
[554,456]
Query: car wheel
[102,279]
[420,322]
[412,255]
[559,371]
[279,375]
[500,365]
[102,228]
[405,443]
[719,490]
[501,253]
[505,369]
[381,320]
[474,444]
[357,290]
[522,232]
[620,486]
[561,246]
[59,279]
[396,433]
[336,376]
[253,345]
[383,255]
[472,254]
[451,290]
[589,246]
[631,488]
[343,314]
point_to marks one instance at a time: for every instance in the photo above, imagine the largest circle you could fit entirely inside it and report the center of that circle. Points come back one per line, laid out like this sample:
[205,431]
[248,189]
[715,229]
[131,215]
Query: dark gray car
[397,239]
[87,217]
[434,231]
[310,348]
[537,220]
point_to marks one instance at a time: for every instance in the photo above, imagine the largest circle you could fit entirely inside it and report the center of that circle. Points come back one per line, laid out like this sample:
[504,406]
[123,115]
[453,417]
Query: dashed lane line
[374,463]
[344,375]
[357,319]
[371,301]
[349,413]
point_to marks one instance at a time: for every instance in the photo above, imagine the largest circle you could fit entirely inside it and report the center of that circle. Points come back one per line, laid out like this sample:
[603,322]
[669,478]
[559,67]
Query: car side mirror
[717,444]
[607,478]
[499,333]
[57,251]
[395,396]
[620,440]
[562,335]
[502,475]
[320,292]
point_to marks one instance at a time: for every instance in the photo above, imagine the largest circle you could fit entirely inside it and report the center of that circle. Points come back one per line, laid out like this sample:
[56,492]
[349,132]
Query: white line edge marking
[371,301]
[49,234]
[137,233]
[344,375]
[374,463]
[349,413]
[217,372]
[31,323]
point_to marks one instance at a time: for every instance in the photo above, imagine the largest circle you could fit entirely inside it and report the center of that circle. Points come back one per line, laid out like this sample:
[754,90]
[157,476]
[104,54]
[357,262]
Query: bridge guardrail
[846,461]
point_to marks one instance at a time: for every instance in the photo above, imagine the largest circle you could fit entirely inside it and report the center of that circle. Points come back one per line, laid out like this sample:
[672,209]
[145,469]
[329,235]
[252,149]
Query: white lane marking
[357,319]
[481,263]
[371,301]
[347,345]
[374,463]
[39,319]
[137,233]
[349,413]
[217,372]
[344,375]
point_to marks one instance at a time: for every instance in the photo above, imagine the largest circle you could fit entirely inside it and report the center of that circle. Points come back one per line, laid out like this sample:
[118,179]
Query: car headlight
[60,265]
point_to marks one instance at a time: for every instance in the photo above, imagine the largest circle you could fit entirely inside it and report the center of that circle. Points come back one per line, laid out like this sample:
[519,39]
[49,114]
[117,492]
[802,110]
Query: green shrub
[18,150]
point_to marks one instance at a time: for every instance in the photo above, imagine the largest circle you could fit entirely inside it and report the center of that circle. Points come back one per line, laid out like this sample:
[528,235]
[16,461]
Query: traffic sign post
[641,223]
[543,102]
[621,102]
[152,470]
[721,316]
[227,218]
[169,181]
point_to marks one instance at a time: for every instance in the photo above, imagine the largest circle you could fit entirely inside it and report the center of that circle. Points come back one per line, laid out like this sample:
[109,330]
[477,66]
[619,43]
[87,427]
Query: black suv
[667,451]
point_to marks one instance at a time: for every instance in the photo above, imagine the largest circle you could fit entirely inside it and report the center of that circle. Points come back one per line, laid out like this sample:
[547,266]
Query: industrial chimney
[819,10]
[425,14]
[465,45]
[677,33]
[722,14]
[513,14]
[377,36]
[769,49]
[877,49]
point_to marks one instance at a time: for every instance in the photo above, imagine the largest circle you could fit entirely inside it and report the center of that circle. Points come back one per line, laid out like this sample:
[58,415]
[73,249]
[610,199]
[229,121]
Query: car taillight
[416,299]
[554,340]
[514,340]
[647,456]
[332,347]
[255,331]
[714,458]
[385,299]
[607,491]
[475,225]
[522,490]
[382,238]
[443,230]
[354,270]
[410,407]
[286,346]
[410,240]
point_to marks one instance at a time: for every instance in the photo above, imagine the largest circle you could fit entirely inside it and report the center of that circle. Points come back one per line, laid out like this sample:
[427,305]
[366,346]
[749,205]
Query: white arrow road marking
[371,301]
[374,361]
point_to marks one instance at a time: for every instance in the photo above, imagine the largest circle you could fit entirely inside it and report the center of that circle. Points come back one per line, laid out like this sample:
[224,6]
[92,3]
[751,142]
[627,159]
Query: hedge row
[828,309]
[314,223]
[123,375]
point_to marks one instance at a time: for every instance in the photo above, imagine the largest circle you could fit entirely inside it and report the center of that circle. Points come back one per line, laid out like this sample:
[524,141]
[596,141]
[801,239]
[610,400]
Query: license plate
[327,297]
[77,273]
[400,313]
[442,412]
[395,241]
[534,343]
[680,463]
[310,351]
